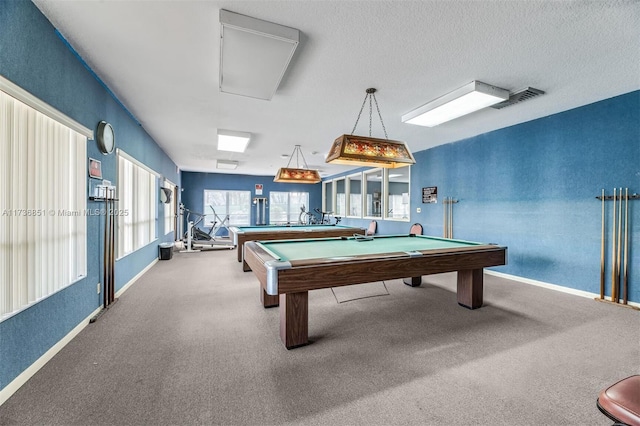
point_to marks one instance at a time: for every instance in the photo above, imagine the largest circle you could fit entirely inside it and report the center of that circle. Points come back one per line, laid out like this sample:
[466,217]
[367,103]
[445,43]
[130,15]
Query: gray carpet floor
[190,344]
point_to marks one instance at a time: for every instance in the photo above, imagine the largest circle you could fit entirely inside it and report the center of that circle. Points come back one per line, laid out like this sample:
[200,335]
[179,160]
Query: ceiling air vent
[520,96]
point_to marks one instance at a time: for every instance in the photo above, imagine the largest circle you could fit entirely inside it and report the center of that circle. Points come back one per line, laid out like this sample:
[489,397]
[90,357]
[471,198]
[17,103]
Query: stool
[621,401]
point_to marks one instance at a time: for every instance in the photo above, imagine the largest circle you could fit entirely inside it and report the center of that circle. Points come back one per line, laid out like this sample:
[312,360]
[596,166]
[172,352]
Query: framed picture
[95,169]
[430,194]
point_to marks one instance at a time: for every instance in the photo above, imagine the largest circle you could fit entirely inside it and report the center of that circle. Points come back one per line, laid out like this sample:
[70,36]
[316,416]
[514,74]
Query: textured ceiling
[160,58]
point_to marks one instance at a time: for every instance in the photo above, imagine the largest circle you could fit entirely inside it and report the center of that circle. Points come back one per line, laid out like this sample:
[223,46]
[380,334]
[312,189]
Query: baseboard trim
[550,286]
[134,279]
[23,377]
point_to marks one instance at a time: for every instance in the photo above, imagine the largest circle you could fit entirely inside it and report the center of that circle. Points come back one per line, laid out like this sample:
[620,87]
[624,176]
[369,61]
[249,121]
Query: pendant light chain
[370,94]
[379,115]
[370,111]
[298,153]
[303,159]
[361,108]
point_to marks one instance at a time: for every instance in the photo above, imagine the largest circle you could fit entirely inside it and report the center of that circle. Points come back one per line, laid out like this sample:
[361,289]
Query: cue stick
[105,257]
[111,246]
[613,248]
[619,245]
[108,249]
[626,245]
[448,216]
[451,218]
[602,244]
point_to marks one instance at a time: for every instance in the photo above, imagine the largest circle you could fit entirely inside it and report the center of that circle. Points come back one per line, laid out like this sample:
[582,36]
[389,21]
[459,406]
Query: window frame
[349,178]
[132,207]
[51,229]
[325,206]
[169,209]
[336,194]
[366,194]
[387,186]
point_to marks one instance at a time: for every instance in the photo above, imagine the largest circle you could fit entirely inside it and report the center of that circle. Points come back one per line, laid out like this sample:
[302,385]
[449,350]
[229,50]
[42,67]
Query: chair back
[416,229]
[373,226]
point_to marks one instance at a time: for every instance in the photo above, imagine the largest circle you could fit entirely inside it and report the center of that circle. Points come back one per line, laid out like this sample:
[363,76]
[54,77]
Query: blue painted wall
[35,58]
[532,187]
[194,183]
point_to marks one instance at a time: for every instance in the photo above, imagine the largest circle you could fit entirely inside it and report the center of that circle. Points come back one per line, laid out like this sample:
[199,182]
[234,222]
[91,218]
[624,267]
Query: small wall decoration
[95,169]
[430,194]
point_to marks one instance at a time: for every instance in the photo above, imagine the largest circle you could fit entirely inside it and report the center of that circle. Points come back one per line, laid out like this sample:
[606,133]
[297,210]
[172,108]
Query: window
[327,190]
[286,207]
[373,188]
[169,209]
[355,195]
[137,192]
[236,205]
[43,216]
[398,193]
[341,198]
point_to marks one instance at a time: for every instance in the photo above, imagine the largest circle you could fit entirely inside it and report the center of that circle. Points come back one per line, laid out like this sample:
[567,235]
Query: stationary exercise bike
[308,218]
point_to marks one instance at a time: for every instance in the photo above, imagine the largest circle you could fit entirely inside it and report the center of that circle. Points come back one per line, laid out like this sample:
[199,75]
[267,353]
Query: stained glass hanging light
[366,150]
[297,175]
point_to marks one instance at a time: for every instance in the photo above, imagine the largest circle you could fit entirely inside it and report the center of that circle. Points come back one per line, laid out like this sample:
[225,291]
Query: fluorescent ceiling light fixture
[254,54]
[465,100]
[233,141]
[228,165]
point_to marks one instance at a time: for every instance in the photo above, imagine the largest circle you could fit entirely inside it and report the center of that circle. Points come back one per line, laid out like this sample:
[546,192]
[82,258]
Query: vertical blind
[43,227]
[169,209]
[137,191]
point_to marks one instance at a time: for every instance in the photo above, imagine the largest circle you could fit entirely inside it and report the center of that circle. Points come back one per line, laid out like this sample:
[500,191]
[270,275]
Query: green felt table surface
[288,250]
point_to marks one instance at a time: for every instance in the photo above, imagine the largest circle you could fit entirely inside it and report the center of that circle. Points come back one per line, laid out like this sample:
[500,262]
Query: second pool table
[242,234]
[287,270]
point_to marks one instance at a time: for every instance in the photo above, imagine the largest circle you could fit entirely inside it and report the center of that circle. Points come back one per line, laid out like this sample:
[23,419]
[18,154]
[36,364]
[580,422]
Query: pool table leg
[268,301]
[470,283]
[413,281]
[240,248]
[294,319]
[245,266]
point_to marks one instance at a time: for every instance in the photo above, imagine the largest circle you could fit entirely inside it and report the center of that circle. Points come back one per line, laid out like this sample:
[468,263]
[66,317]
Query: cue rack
[447,221]
[108,196]
[619,246]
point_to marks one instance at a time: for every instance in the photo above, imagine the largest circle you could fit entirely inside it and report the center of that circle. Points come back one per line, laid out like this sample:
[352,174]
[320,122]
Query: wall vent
[519,96]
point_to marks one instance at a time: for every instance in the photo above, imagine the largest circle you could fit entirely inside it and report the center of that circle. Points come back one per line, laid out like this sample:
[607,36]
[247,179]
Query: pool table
[242,234]
[288,269]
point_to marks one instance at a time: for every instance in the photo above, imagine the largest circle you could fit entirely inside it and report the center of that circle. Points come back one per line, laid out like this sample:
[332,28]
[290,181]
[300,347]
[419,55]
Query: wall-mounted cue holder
[610,197]
[619,246]
[447,222]
[102,191]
